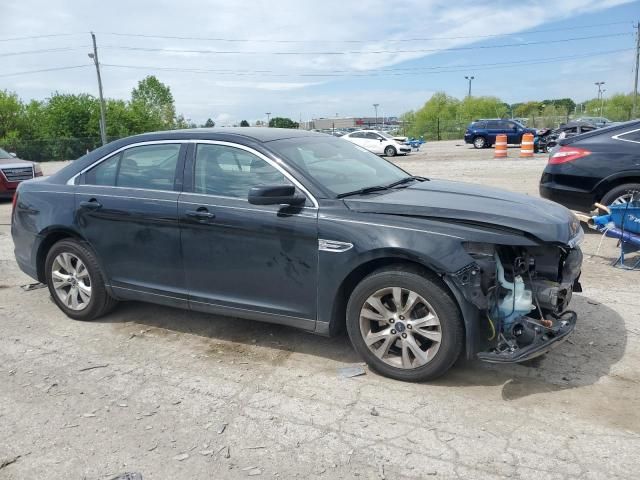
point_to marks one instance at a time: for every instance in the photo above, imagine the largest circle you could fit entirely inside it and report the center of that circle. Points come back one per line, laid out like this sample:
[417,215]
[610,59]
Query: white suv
[377,142]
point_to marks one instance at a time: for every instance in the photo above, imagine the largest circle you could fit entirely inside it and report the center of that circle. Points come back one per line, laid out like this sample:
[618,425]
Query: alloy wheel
[71,281]
[400,327]
[626,198]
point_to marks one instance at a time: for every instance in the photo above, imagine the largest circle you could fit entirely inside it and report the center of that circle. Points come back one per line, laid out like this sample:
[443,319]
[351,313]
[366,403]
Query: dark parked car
[13,171]
[304,229]
[482,133]
[599,166]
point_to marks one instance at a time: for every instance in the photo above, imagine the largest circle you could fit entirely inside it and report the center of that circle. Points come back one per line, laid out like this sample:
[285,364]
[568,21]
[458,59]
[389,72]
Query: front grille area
[18,174]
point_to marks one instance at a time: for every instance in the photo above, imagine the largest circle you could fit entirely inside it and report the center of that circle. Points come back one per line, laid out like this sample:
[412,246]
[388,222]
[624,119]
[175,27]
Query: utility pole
[375,106]
[103,120]
[602,101]
[599,85]
[635,84]
[470,78]
[268,114]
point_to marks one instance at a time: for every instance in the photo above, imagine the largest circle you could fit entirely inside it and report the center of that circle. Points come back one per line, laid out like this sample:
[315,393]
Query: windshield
[336,164]
[4,155]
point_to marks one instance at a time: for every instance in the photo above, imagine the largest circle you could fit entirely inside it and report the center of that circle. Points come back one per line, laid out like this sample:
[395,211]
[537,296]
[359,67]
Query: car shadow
[598,342]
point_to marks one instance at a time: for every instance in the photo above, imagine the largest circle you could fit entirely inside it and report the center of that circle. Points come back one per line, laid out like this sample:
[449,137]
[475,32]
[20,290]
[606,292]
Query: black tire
[444,306]
[479,142]
[390,151]
[100,302]
[620,191]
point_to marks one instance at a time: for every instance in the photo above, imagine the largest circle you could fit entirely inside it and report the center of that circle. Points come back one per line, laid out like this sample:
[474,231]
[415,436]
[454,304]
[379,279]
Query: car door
[514,134]
[493,129]
[358,138]
[374,143]
[241,259]
[127,210]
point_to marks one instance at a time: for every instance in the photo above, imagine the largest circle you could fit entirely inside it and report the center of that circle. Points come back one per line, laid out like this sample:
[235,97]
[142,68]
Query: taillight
[568,154]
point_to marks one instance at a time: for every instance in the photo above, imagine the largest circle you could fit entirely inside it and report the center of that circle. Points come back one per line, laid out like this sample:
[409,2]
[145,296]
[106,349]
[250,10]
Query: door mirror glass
[13,154]
[275,195]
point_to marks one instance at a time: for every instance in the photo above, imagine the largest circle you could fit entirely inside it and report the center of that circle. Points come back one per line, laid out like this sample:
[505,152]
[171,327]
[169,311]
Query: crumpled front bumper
[558,334]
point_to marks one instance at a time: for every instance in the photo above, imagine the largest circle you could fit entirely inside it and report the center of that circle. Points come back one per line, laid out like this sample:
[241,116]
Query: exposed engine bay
[522,294]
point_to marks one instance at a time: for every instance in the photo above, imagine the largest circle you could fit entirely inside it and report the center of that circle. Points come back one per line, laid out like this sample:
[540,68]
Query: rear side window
[357,135]
[478,125]
[632,136]
[231,172]
[149,167]
[493,124]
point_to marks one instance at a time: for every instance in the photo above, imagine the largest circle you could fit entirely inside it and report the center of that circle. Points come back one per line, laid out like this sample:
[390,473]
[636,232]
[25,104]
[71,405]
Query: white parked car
[377,142]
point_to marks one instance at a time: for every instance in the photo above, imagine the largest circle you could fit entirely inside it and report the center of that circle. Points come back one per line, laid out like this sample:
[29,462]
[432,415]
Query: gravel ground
[175,394]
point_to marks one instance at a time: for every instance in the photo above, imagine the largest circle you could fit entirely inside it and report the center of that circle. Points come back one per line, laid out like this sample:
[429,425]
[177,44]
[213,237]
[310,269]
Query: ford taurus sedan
[307,230]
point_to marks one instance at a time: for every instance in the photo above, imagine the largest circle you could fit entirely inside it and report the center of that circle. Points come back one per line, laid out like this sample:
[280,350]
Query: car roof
[259,134]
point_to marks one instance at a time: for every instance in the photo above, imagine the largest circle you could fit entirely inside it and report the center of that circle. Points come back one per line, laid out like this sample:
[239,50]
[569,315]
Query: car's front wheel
[390,151]
[622,194]
[75,281]
[405,324]
[479,142]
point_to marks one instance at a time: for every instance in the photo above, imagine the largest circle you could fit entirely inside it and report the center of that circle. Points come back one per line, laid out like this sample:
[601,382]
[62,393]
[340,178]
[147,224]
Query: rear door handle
[92,204]
[200,214]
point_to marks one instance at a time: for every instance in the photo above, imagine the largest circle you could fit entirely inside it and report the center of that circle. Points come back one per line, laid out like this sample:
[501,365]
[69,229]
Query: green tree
[209,123]
[440,107]
[282,122]
[472,108]
[153,105]
[11,110]
[244,123]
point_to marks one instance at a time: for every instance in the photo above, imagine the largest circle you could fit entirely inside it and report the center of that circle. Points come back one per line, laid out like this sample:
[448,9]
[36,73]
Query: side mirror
[13,154]
[275,195]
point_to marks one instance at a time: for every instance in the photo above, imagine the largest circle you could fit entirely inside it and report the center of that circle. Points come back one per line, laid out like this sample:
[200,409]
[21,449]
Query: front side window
[232,172]
[150,167]
[339,166]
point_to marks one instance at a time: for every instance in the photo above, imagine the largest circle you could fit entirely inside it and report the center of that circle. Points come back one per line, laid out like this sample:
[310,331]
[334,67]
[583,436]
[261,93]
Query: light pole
[103,120]
[599,85]
[470,78]
[375,106]
[602,100]
[268,114]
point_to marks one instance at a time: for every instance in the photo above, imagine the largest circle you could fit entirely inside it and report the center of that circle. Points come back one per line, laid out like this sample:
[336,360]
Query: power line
[359,52]
[43,50]
[386,40]
[27,72]
[381,72]
[33,37]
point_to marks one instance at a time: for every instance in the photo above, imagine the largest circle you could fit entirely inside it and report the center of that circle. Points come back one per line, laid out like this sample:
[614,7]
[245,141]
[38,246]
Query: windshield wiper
[363,191]
[406,180]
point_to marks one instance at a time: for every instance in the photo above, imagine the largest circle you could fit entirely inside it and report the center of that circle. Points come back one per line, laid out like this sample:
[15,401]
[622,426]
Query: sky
[306,59]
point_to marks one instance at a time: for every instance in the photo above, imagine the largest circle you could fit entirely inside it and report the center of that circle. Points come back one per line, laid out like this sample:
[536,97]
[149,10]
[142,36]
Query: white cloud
[272,82]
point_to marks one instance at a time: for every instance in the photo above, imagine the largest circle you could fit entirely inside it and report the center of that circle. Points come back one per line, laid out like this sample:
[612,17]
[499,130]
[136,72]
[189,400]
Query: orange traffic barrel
[526,146]
[501,146]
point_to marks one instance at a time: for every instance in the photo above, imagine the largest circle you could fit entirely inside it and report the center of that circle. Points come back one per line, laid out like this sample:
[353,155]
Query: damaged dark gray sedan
[306,230]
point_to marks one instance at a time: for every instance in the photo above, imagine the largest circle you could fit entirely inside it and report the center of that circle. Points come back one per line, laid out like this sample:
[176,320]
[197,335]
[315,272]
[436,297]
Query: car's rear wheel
[390,151]
[479,142]
[622,194]
[75,281]
[405,324]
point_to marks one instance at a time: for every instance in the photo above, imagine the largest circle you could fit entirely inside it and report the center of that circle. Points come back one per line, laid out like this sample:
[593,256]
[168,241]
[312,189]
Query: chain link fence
[43,150]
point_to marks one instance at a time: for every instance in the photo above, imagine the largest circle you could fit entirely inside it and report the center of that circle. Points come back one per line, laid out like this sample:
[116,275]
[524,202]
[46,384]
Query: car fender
[615,179]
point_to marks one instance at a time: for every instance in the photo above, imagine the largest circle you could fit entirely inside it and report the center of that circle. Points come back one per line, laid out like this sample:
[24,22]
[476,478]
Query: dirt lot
[174,394]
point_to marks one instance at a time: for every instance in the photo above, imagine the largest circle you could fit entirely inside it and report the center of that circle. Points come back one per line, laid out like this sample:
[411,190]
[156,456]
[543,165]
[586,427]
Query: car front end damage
[522,295]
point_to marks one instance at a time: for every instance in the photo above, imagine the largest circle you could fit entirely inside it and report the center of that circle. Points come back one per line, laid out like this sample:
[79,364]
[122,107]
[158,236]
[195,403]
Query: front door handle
[200,214]
[92,204]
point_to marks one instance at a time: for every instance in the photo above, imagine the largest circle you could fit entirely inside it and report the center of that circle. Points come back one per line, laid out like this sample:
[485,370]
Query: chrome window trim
[72,180]
[262,157]
[390,226]
[617,137]
[244,200]
[245,209]
[293,180]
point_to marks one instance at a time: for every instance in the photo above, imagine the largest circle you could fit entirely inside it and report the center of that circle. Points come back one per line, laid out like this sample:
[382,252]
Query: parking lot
[174,394]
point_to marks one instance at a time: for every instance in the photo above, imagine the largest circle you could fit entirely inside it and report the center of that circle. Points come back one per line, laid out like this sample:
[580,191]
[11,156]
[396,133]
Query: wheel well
[49,241]
[338,316]
[607,185]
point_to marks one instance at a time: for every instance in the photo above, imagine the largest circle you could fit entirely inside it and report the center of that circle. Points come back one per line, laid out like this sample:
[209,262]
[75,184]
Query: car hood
[474,205]
[14,162]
